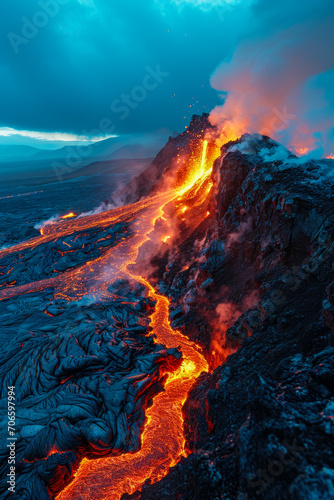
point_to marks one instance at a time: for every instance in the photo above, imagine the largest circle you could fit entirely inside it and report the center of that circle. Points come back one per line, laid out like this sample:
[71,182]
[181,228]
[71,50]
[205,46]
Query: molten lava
[69,216]
[163,442]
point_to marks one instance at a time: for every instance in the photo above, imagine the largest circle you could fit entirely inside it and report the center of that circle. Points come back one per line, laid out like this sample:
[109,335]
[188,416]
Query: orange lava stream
[163,441]
[69,226]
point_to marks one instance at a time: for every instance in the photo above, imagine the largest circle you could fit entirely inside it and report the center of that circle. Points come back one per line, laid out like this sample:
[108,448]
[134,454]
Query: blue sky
[90,53]
[90,68]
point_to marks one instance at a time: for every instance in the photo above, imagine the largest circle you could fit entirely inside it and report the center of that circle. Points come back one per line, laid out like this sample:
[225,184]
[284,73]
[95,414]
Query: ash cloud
[280,79]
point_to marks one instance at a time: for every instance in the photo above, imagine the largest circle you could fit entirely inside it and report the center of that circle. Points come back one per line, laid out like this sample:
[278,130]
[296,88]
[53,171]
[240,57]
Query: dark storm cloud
[65,76]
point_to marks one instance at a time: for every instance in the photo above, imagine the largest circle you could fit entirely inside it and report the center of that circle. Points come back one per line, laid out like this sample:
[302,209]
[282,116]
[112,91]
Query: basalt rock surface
[254,286]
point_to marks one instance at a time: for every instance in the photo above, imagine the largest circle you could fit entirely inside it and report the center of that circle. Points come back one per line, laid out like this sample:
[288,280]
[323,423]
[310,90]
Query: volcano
[178,346]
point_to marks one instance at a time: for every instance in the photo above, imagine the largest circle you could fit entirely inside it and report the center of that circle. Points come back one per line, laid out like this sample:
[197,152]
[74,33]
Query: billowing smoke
[52,220]
[103,207]
[280,81]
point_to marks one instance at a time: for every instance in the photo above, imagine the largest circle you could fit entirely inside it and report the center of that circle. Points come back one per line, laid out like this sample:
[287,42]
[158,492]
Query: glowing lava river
[162,440]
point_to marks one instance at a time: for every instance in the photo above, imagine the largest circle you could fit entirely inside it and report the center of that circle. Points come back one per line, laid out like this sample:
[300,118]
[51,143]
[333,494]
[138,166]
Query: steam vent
[179,344]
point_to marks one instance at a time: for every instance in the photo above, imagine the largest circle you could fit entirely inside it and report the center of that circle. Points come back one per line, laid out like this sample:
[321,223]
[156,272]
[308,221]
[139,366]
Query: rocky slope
[254,286]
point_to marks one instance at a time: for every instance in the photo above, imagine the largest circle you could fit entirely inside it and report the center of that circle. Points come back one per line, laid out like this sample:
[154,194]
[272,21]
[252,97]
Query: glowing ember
[53,451]
[165,239]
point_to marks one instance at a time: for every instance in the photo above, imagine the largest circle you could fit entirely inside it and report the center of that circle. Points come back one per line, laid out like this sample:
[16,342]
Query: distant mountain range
[26,162]
[14,153]
[129,146]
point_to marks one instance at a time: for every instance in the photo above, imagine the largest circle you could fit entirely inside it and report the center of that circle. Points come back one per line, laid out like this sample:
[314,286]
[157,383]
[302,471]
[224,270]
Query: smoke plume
[280,81]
